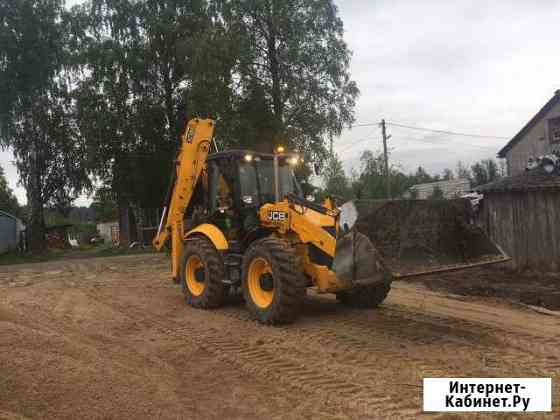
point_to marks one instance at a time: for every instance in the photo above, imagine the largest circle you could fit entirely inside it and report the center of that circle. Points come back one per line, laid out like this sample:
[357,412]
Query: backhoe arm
[191,160]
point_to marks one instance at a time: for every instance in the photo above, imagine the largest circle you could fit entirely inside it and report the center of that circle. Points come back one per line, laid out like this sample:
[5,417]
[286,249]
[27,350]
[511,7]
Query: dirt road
[112,338]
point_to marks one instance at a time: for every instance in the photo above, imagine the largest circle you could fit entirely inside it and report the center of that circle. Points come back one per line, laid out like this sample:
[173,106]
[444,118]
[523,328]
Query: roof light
[293,160]
[248,158]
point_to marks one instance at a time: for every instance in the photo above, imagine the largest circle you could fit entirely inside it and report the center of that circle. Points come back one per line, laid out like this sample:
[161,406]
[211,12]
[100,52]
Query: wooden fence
[526,224]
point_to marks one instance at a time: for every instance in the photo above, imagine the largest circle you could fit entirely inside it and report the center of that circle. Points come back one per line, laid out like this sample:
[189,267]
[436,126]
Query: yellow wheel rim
[195,285]
[261,292]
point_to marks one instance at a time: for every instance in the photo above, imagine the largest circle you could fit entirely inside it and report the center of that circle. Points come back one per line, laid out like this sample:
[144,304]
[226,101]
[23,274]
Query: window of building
[554,130]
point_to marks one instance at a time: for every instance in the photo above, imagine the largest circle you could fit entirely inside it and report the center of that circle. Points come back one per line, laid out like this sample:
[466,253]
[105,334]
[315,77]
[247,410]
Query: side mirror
[348,216]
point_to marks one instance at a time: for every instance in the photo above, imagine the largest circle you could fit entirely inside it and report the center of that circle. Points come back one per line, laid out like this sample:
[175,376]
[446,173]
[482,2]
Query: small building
[540,136]
[452,188]
[521,213]
[109,231]
[11,231]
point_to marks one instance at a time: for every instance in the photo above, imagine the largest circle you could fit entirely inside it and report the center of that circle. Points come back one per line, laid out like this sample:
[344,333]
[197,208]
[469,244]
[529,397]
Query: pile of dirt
[420,235]
[530,289]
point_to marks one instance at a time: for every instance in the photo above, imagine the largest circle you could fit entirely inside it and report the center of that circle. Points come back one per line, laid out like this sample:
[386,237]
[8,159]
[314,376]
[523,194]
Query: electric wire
[411,127]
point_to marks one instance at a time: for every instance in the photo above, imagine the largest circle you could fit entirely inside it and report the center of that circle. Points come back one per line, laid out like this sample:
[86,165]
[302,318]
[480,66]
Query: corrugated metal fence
[8,233]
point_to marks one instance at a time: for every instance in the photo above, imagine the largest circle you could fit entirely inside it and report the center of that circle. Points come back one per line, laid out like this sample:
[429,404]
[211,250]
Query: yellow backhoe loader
[237,219]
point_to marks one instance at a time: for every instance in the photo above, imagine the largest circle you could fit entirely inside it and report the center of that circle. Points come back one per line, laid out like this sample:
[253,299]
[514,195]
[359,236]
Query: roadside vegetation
[86,251]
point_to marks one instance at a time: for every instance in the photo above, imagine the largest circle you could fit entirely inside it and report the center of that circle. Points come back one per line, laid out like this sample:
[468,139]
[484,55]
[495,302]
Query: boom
[190,162]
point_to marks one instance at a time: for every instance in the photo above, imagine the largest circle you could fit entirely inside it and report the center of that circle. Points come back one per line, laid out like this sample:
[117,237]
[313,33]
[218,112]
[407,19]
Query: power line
[355,143]
[433,143]
[446,132]
[455,133]
[445,144]
[364,125]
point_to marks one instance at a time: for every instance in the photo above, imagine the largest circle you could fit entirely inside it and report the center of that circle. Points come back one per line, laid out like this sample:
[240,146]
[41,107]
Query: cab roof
[240,153]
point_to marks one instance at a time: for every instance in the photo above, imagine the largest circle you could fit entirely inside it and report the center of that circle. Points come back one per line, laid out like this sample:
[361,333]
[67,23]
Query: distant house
[11,229]
[452,188]
[540,136]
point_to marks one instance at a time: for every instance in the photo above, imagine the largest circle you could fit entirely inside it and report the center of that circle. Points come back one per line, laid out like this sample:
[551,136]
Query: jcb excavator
[238,219]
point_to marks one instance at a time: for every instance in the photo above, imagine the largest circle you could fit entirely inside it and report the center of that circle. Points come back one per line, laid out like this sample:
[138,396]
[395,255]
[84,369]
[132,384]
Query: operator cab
[240,182]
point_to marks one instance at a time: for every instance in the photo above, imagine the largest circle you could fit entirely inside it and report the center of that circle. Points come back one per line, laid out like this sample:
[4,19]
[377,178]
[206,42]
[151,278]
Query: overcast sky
[481,67]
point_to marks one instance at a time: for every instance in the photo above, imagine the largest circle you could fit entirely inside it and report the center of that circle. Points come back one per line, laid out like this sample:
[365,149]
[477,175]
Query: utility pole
[387,172]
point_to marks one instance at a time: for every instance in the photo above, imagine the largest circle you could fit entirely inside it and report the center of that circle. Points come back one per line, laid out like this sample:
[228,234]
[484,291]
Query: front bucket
[357,261]
[419,237]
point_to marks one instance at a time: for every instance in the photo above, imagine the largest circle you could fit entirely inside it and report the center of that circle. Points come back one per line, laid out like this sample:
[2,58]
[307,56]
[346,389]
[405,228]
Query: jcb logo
[277,216]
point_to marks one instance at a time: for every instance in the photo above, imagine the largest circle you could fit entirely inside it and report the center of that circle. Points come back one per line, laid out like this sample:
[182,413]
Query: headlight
[248,158]
[293,160]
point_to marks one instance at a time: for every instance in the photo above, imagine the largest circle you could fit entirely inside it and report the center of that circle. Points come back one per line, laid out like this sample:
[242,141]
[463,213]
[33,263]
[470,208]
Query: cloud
[478,67]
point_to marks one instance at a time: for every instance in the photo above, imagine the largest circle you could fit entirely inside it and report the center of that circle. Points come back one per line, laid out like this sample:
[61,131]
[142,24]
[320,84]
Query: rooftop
[536,118]
[535,180]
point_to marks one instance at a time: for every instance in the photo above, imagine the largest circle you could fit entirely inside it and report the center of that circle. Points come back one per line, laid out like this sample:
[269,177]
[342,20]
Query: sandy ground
[493,281]
[112,338]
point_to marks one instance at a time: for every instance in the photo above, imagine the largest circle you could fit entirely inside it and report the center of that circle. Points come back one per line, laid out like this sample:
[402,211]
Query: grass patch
[14,257]
[115,251]
[84,251]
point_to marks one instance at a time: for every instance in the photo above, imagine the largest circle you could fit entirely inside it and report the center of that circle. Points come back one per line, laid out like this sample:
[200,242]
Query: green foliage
[293,64]
[8,201]
[130,111]
[335,180]
[113,251]
[484,172]
[268,72]
[104,206]
[104,90]
[36,111]
[370,183]
[13,257]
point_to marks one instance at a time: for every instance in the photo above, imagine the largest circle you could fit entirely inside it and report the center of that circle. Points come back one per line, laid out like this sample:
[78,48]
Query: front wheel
[202,272]
[272,285]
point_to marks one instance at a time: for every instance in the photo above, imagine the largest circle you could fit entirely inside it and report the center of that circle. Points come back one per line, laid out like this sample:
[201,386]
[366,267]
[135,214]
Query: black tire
[365,297]
[214,291]
[288,288]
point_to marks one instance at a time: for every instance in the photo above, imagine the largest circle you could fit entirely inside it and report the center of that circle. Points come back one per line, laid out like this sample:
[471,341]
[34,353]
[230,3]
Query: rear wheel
[202,272]
[365,297]
[272,285]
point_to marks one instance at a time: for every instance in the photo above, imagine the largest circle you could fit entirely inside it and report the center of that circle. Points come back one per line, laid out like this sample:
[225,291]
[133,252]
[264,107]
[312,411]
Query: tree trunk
[124,223]
[128,231]
[35,221]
